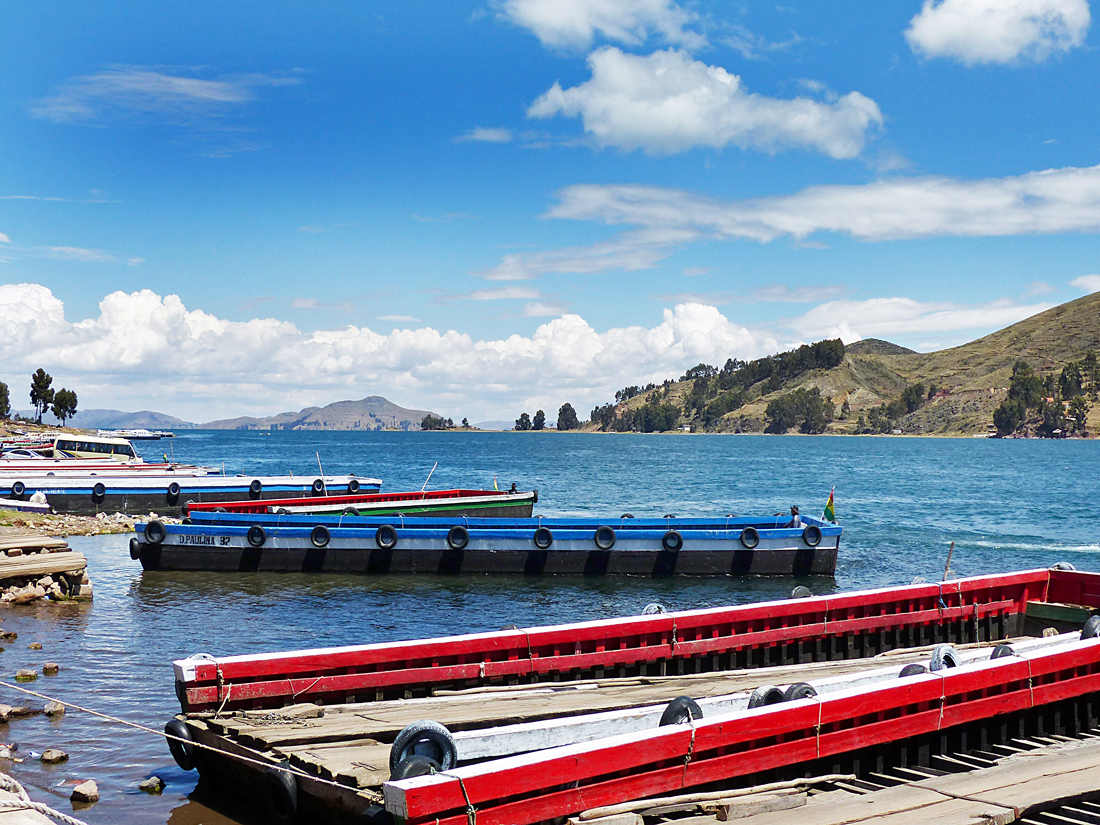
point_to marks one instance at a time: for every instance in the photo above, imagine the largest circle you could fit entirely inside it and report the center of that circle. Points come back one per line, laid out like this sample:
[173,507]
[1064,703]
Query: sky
[484,208]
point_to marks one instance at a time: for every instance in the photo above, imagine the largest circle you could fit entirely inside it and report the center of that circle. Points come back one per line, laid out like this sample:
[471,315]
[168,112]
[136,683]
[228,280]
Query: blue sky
[480,208]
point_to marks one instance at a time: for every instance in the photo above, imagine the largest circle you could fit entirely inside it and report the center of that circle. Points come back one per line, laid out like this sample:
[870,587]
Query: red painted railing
[561,781]
[336,674]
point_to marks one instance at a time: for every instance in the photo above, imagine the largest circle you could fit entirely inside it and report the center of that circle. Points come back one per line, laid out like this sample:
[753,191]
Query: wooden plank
[43,564]
[1054,612]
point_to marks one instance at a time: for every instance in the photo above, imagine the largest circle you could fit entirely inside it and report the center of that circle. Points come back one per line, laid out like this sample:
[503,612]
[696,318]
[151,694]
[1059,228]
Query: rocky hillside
[372,413]
[971,380]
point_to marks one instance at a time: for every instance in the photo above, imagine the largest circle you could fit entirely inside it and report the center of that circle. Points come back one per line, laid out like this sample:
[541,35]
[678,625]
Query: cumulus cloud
[668,102]
[206,366]
[4,238]
[1087,283]
[892,317]
[997,31]
[138,91]
[575,24]
[483,135]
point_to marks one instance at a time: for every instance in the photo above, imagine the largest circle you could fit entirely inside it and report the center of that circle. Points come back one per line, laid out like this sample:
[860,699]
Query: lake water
[1007,505]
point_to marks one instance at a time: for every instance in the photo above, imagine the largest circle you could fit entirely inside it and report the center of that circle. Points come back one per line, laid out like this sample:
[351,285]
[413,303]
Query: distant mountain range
[117,420]
[372,413]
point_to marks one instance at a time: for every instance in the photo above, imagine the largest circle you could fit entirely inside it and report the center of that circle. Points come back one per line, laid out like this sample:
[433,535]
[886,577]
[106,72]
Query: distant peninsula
[371,413]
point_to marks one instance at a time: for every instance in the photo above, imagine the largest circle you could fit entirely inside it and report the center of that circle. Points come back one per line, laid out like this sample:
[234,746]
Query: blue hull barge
[532,546]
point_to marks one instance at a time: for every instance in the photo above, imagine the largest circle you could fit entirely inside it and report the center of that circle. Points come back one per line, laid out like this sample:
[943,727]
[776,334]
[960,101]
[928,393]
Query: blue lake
[1007,505]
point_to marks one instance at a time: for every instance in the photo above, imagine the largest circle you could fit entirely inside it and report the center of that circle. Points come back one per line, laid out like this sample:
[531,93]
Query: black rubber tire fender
[17,490]
[604,537]
[99,491]
[1091,628]
[319,536]
[135,548]
[1000,651]
[353,486]
[801,592]
[426,734]
[255,488]
[1062,565]
[672,541]
[173,492]
[943,656]
[377,815]
[386,537]
[750,538]
[155,532]
[414,766]
[912,669]
[280,795]
[811,535]
[799,690]
[543,538]
[318,487]
[220,510]
[766,695]
[458,537]
[627,515]
[350,511]
[257,535]
[681,710]
[183,752]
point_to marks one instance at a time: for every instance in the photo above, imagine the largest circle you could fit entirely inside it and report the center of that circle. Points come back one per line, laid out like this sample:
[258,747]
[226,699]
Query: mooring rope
[374,796]
[25,803]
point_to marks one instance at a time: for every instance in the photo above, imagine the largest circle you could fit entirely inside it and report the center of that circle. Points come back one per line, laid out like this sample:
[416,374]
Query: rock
[45,582]
[154,784]
[34,646]
[100,516]
[26,675]
[38,497]
[15,551]
[84,577]
[26,595]
[85,592]
[54,709]
[25,710]
[85,792]
[51,756]
[50,668]
[40,591]
[9,635]
[5,713]
[55,592]
[5,752]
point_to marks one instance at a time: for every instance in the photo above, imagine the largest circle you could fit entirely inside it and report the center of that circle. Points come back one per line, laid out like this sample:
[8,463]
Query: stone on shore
[26,675]
[5,713]
[51,668]
[54,709]
[85,792]
[34,646]
[51,756]
[154,784]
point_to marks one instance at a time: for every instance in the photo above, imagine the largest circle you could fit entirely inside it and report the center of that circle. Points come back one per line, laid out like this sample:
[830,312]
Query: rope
[471,811]
[691,749]
[25,803]
[291,769]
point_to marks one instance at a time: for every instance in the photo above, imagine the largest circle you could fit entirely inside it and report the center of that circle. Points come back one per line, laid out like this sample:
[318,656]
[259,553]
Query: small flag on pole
[830,508]
[495,484]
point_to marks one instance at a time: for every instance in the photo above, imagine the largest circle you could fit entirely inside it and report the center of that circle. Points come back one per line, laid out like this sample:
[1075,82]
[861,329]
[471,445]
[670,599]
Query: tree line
[1049,407]
[62,402]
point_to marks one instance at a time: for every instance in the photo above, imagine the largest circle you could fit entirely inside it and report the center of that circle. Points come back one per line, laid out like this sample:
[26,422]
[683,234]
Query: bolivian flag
[830,508]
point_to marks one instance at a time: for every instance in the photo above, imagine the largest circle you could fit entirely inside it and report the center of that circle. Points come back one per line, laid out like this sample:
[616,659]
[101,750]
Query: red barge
[343,733]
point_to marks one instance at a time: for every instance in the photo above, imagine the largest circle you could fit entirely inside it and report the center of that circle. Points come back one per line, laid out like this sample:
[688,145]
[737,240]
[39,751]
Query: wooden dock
[29,563]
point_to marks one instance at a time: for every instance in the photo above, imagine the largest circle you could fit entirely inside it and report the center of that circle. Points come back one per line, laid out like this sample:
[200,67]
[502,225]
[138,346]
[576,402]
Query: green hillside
[969,382]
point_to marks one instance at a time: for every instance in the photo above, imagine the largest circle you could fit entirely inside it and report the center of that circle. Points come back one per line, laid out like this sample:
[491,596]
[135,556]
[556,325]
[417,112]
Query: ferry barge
[540,724]
[533,546]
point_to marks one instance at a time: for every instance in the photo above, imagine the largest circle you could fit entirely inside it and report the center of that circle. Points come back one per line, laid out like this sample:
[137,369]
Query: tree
[64,405]
[1078,411]
[465,424]
[1009,416]
[567,418]
[41,394]
[539,421]
[804,408]
[523,422]
[5,401]
[434,422]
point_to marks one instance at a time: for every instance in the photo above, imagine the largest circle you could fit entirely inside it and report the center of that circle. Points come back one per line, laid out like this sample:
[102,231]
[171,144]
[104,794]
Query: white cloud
[135,261]
[207,367]
[305,303]
[545,309]
[893,317]
[399,319]
[485,135]
[1087,283]
[504,293]
[147,91]
[998,31]
[667,102]
[4,238]
[575,24]
[76,253]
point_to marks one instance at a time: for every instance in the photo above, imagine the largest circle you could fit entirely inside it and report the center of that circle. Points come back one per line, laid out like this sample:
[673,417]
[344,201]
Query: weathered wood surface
[29,543]
[1017,785]
[41,564]
[350,743]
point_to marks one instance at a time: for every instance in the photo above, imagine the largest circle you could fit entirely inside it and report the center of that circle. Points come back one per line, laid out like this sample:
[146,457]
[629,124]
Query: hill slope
[972,378]
[371,413]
